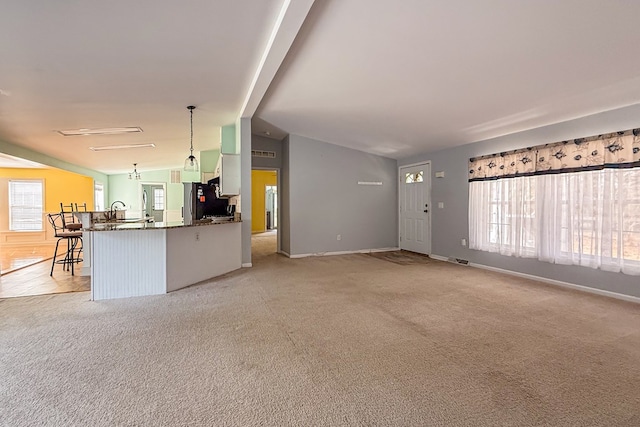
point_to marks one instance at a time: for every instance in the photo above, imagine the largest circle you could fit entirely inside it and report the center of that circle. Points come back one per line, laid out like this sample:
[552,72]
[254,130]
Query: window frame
[10,205]
[98,188]
[156,192]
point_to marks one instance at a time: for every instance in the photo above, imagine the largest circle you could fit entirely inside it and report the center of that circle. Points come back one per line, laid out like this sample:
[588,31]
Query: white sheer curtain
[502,216]
[589,218]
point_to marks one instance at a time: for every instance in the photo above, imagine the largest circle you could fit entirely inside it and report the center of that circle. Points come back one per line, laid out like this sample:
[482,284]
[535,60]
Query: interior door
[415,208]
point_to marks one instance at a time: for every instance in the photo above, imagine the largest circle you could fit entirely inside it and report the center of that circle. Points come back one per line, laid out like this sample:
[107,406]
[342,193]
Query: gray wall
[284,227]
[450,225]
[266,144]
[325,199]
[243,141]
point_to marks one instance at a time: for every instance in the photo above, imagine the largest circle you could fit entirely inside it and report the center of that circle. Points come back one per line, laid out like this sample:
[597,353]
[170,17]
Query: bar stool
[73,240]
[68,219]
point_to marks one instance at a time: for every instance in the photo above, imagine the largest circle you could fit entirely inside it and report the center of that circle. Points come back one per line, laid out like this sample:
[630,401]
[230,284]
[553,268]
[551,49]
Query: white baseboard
[247,264]
[360,251]
[285,253]
[550,281]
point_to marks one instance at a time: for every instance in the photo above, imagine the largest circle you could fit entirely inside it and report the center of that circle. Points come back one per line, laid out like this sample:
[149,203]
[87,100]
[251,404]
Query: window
[158,199]
[588,218]
[410,178]
[98,196]
[25,205]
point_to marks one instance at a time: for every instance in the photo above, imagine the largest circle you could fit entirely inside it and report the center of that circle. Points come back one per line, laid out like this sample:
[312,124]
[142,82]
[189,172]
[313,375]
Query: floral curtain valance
[613,150]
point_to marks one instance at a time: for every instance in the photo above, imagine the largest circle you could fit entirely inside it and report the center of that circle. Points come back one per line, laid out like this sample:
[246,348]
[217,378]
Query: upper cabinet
[229,173]
[228,140]
[228,167]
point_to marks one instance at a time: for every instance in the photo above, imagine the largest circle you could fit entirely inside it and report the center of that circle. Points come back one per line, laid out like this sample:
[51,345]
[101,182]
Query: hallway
[264,246]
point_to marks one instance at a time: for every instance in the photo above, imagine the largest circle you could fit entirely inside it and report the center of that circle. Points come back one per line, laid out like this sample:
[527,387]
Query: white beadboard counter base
[152,261]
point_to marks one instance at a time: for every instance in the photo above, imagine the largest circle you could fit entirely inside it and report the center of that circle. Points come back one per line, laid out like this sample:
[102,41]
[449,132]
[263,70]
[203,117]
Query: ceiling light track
[99,131]
[121,147]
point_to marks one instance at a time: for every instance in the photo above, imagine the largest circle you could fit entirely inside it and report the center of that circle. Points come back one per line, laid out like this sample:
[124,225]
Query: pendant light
[191,163]
[135,174]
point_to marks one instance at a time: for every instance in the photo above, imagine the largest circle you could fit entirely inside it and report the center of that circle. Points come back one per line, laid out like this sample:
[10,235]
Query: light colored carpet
[342,340]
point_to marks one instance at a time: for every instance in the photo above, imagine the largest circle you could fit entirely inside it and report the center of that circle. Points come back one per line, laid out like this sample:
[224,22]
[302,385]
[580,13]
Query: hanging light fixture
[191,163]
[135,174]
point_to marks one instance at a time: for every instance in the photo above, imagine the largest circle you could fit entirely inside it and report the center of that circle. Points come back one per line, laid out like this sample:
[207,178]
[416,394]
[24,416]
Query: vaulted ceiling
[392,78]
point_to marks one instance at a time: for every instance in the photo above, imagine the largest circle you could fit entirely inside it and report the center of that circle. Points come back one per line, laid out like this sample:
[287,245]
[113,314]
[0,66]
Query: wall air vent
[260,153]
[176,177]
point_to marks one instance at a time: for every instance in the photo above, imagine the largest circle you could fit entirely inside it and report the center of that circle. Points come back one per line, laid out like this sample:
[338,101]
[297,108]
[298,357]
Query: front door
[415,208]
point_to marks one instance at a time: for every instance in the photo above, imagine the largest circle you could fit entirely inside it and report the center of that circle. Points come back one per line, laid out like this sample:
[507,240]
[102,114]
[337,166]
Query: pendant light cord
[191,163]
[191,110]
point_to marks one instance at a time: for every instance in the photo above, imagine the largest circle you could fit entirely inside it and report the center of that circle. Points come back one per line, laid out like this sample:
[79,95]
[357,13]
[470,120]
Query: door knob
[426,210]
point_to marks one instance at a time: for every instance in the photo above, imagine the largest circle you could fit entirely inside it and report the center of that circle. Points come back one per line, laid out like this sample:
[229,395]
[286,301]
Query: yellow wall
[59,186]
[259,181]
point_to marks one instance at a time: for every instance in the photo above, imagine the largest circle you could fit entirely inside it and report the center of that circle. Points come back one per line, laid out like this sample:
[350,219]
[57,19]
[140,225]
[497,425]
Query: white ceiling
[7,161]
[399,78]
[72,64]
[393,78]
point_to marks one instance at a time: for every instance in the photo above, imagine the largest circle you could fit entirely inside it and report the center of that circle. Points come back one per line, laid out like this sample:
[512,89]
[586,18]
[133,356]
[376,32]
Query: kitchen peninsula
[136,259]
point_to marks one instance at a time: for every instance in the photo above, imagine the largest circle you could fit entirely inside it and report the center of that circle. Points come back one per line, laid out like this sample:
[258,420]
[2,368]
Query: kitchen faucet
[114,208]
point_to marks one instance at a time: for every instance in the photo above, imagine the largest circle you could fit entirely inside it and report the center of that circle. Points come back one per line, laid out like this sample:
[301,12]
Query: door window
[158,199]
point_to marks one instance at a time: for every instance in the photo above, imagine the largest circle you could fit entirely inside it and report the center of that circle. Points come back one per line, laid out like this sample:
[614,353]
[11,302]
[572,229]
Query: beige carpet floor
[327,341]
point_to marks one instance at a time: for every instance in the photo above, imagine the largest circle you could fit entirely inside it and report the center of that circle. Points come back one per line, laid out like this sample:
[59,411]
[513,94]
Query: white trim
[549,281]
[438,257]
[287,26]
[284,253]
[582,288]
[247,265]
[415,164]
[360,251]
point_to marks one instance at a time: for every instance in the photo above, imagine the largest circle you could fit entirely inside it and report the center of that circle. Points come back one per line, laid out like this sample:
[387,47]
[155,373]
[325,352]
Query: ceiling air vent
[260,153]
[176,177]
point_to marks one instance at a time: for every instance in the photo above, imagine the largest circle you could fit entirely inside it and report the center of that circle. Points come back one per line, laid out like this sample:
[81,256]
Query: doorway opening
[264,213]
[153,201]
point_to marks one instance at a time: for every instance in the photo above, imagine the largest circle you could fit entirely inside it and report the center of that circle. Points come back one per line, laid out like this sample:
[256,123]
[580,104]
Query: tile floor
[25,271]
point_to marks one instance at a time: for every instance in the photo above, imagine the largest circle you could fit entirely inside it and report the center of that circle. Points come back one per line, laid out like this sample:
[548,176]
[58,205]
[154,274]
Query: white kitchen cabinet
[229,169]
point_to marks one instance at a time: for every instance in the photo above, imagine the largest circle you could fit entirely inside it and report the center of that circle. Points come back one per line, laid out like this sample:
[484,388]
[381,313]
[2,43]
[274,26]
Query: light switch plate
[440,205]
[440,174]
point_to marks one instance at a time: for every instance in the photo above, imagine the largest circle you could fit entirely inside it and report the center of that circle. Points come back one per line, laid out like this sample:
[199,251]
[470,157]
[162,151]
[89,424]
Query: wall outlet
[339,237]
[463,242]
[197,236]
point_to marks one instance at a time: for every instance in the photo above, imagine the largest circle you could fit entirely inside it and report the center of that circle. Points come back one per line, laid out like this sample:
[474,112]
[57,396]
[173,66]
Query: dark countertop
[128,225]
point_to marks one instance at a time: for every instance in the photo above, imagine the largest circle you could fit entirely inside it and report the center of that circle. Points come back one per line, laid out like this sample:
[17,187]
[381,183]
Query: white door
[415,208]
